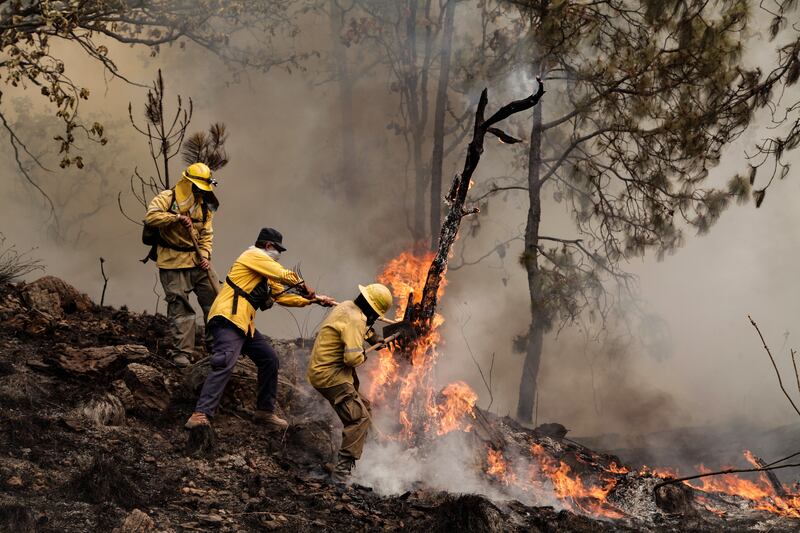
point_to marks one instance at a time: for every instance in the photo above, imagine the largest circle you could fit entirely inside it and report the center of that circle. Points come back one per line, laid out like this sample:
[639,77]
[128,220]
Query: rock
[136,522]
[98,359]
[147,386]
[212,518]
[54,297]
[295,396]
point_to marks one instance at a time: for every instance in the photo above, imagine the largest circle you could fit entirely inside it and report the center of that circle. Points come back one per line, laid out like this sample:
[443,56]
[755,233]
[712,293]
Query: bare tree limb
[774,365]
[105,282]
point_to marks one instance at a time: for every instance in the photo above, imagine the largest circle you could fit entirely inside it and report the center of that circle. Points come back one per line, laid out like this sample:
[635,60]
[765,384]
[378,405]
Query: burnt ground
[91,439]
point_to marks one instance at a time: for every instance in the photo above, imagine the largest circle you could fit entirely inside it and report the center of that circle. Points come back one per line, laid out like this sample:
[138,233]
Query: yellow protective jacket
[339,346]
[164,216]
[247,271]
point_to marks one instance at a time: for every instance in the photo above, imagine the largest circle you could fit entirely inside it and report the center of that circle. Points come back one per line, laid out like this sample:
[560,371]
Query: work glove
[324,301]
[373,338]
[306,291]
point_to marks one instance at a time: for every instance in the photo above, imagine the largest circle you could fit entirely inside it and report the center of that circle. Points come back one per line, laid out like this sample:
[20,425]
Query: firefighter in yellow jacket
[338,350]
[255,281]
[174,213]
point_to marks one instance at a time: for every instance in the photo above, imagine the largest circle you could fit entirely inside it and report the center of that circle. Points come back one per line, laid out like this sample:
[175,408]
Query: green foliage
[30,27]
[642,99]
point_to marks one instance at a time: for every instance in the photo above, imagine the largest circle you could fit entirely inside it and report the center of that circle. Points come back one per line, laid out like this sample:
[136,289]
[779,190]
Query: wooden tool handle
[212,278]
[381,345]
[380,318]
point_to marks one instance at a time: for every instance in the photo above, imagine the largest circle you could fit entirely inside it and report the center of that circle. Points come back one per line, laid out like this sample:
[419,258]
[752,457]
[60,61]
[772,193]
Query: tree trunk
[437,158]
[533,353]
[347,164]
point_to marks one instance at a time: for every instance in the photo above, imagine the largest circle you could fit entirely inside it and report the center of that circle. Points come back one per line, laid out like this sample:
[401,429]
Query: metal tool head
[403,333]
[401,330]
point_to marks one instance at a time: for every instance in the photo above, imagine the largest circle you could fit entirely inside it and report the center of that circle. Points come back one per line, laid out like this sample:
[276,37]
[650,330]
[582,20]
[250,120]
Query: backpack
[151,235]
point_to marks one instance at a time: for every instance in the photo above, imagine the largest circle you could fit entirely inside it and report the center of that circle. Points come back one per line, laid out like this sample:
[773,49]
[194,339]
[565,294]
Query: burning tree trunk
[423,413]
[424,313]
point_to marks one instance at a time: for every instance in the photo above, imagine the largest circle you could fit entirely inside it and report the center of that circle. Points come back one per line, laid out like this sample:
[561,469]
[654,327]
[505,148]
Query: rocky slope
[91,439]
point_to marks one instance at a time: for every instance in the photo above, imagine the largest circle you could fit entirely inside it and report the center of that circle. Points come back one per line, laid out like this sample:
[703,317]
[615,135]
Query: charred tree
[424,311]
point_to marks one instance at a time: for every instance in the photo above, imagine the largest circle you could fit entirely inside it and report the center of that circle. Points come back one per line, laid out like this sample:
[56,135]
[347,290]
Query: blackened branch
[458,195]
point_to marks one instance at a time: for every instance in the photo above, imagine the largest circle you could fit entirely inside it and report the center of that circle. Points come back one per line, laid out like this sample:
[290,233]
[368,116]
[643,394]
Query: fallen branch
[771,477]
[722,473]
[774,365]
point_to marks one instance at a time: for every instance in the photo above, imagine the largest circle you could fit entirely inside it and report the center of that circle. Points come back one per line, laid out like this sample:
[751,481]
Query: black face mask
[367,309]
[208,197]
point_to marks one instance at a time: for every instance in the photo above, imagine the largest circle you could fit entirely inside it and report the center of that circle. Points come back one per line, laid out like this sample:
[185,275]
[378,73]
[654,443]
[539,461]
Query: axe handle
[381,345]
[212,277]
[380,318]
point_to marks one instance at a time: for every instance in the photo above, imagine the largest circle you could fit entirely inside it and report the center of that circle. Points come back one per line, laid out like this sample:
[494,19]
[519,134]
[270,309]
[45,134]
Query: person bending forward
[255,281]
[338,350]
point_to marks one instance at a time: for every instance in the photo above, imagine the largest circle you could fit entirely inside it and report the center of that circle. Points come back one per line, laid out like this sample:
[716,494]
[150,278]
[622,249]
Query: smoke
[285,131]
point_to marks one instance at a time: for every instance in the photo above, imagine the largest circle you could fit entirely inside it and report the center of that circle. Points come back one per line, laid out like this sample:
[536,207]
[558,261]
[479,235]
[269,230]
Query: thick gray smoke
[284,145]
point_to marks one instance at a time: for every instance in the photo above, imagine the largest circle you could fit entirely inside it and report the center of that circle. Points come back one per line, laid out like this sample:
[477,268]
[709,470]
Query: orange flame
[497,467]
[761,492]
[572,490]
[458,406]
[413,384]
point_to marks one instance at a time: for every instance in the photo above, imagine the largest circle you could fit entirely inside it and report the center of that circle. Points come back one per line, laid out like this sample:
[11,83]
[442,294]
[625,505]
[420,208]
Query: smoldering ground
[284,134]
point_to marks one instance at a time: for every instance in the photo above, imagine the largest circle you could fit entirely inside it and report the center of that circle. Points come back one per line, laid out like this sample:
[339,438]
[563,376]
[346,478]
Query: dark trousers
[228,343]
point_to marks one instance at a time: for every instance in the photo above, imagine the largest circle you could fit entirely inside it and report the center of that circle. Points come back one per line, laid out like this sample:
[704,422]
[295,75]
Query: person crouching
[338,350]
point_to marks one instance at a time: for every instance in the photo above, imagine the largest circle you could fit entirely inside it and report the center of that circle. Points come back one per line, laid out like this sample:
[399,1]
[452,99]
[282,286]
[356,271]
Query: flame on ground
[421,412]
[761,492]
[456,411]
[548,474]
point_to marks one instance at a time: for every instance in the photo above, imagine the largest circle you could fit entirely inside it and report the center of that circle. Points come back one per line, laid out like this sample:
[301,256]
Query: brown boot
[341,472]
[269,418]
[196,420]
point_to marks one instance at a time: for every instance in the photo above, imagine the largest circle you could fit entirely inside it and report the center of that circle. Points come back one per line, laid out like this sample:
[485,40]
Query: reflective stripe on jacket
[339,346]
[247,271]
[161,214]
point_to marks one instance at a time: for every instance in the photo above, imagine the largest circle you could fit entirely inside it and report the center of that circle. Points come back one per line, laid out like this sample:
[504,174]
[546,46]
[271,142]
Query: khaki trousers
[177,285]
[354,412]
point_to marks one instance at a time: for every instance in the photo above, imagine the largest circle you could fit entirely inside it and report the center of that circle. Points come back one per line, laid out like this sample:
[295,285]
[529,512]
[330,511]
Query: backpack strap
[259,297]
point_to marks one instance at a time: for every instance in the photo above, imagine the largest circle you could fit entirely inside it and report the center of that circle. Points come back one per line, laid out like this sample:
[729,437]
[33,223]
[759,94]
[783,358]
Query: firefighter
[338,350]
[255,281]
[173,215]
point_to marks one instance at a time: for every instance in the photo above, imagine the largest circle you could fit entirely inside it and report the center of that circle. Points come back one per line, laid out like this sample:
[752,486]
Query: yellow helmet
[377,296]
[200,175]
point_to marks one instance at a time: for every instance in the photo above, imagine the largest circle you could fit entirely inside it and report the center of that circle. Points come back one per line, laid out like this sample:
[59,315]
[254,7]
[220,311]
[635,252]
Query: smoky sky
[285,130]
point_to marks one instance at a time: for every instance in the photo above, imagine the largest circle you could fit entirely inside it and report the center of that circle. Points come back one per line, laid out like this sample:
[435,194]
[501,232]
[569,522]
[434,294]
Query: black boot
[341,472]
